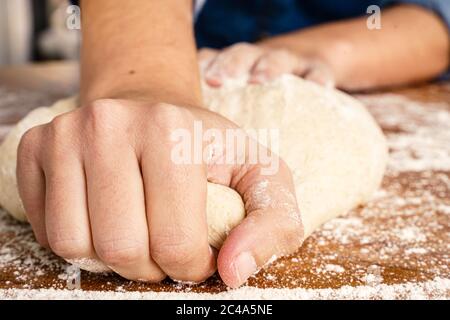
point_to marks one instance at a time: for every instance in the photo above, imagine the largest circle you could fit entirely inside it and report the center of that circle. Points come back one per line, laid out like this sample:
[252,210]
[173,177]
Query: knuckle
[66,246]
[28,142]
[241,46]
[228,65]
[59,137]
[167,118]
[58,129]
[60,124]
[237,59]
[232,67]
[120,251]
[103,107]
[262,64]
[233,62]
[103,116]
[165,110]
[174,249]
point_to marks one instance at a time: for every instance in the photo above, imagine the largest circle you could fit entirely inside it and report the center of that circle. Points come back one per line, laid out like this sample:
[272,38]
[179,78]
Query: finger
[178,229]
[233,62]
[117,212]
[275,63]
[272,228]
[31,182]
[176,207]
[320,74]
[66,212]
[205,56]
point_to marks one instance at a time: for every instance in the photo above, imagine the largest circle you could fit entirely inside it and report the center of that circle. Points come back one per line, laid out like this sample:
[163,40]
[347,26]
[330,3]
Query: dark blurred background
[35,30]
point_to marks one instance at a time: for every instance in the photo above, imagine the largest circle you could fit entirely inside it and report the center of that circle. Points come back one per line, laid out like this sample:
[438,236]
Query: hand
[100,182]
[260,64]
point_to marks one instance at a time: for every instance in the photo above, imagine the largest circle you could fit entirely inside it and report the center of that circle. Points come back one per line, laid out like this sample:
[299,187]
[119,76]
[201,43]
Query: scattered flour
[418,133]
[405,228]
[434,289]
[416,251]
[334,268]
[411,234]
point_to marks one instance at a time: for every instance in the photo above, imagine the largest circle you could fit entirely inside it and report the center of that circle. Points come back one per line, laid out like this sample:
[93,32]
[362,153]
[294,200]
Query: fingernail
[213,81]
[243,267]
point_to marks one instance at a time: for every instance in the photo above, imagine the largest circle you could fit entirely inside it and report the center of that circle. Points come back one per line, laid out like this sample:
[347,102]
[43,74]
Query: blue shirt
[221,23]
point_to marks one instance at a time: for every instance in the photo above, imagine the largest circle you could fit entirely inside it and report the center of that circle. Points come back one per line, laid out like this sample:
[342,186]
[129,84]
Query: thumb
[272,227]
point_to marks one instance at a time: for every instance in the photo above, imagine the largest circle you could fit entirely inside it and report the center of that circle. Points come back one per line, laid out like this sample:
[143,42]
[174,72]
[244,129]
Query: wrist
[145,94]
[145,84]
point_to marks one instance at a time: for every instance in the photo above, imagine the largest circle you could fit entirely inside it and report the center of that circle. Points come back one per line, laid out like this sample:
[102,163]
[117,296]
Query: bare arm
[412,45]
[139,49]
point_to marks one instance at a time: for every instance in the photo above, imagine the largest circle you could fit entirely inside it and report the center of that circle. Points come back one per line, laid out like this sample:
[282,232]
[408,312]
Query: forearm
[139,49]
[412,45]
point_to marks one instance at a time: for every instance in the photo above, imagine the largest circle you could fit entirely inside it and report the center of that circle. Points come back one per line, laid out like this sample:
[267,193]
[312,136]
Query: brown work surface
[401,237]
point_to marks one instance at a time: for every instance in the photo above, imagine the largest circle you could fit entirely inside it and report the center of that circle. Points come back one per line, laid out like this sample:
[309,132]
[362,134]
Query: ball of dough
[224,211]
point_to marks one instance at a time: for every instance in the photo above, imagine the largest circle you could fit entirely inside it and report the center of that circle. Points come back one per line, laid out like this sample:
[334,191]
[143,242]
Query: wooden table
[399,239]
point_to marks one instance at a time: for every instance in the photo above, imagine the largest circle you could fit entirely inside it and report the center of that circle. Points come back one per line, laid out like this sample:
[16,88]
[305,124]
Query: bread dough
[336,151]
